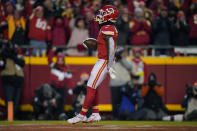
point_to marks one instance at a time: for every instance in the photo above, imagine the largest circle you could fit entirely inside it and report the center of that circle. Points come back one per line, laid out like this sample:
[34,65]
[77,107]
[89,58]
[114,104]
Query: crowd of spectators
[46,23]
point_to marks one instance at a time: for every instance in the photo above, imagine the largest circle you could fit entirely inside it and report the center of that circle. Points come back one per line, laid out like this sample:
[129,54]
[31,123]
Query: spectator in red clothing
[193,23]
[59,77]
[140,29]
[39,31]
[59,31]
[93,27]
[139,73]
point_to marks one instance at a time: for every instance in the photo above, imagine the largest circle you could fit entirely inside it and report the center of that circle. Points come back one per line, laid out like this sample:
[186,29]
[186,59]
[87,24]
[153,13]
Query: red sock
[95,103]
[88,100]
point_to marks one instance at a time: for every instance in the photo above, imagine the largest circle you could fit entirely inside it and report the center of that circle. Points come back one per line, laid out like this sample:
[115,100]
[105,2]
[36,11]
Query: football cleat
[78,118]
[95,117]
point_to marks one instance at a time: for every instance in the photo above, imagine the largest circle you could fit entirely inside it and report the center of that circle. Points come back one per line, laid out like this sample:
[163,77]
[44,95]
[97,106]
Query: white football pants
[98,73]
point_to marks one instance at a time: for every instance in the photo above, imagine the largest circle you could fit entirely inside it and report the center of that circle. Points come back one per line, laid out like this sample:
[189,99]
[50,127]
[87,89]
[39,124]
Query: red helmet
[107,13]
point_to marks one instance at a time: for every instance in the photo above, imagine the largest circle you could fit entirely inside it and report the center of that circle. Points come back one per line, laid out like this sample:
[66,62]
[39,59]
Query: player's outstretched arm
[110,50]
[106,38]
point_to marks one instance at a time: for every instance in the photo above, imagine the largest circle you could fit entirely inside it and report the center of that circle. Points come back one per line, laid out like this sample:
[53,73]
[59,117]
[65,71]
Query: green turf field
[120,123]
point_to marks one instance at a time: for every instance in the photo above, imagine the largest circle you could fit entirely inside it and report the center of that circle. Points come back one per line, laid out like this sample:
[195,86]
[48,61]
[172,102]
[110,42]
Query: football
[90,43]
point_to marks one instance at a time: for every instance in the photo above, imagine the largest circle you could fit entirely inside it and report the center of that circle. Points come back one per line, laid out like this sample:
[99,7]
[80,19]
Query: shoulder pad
[108,30]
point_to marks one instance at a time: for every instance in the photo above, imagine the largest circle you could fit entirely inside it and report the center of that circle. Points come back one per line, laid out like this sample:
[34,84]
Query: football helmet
[107,13]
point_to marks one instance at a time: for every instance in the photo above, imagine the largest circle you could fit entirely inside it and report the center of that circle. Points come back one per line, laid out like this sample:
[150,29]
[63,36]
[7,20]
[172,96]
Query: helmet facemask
[99,16]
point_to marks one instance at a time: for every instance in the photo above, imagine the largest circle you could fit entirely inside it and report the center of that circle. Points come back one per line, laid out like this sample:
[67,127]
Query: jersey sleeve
[108,30]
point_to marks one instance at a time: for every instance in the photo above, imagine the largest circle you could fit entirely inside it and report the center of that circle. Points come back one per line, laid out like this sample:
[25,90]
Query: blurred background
[44,69]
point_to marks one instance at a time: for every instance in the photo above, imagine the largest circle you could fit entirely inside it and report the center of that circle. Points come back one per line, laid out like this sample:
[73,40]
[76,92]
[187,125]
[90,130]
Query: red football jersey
[105,30]
[39,29]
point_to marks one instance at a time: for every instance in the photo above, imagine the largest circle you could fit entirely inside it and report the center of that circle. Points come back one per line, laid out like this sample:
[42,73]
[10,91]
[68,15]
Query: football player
[106,46]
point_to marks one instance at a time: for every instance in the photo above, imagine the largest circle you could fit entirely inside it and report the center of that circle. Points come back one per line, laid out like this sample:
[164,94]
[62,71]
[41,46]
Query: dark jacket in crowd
[12,74]
[180,34]
[152,94]
[123,32]
[162,31]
